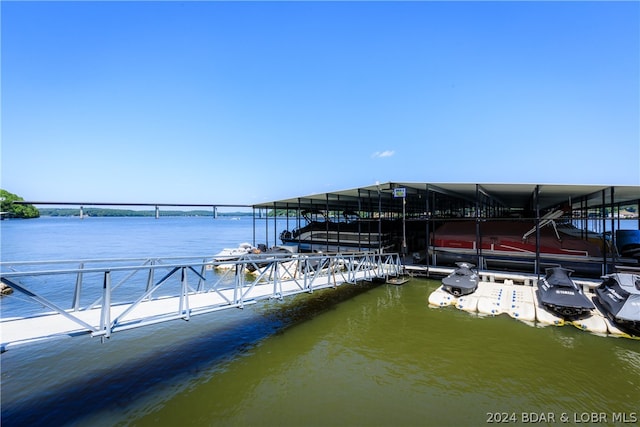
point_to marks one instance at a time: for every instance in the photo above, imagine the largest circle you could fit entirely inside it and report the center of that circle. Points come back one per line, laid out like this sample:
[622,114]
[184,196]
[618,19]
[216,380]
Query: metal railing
[101,297]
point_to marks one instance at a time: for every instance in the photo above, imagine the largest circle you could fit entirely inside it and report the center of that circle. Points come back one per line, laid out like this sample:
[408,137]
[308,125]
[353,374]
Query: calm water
[357,356]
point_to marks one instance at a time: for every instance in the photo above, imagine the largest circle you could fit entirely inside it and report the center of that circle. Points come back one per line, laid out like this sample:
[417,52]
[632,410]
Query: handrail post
[276,280]
[354,269]
[203,272]
[105,313]
[150,277]
[78,290]
[329,267]
[184,295]
[305,275]
[238,283]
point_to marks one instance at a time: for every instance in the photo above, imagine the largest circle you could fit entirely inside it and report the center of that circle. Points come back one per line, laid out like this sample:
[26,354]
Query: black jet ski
[618,297]
[463,280]
[560,295]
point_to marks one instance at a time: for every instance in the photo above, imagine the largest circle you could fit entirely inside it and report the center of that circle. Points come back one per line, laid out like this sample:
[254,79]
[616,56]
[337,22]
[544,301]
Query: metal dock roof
[517,196]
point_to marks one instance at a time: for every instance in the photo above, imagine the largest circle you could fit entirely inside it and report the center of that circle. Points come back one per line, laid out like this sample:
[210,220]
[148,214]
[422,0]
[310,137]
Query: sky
[249,102]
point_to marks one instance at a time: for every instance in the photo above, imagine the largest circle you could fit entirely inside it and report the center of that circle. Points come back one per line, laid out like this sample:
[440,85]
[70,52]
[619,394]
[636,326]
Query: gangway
[102,297]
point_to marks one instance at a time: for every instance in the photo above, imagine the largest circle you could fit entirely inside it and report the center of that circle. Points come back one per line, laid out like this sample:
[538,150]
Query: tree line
[12,210]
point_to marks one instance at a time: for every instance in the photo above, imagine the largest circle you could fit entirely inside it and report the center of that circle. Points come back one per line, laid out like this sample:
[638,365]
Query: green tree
[8,208]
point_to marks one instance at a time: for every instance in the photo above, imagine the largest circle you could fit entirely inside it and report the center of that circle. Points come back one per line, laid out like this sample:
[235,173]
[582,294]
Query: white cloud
[381,154]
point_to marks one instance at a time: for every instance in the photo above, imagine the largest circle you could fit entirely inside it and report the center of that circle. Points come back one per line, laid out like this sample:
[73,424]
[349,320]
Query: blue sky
[246,102]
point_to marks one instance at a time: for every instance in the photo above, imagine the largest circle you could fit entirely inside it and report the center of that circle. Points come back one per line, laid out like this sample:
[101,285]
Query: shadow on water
[117,387]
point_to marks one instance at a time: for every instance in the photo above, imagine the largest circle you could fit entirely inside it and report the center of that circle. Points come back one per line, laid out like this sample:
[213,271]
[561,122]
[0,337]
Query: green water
[384,357]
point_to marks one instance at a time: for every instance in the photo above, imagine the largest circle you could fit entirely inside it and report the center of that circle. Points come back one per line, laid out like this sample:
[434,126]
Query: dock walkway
[217,285]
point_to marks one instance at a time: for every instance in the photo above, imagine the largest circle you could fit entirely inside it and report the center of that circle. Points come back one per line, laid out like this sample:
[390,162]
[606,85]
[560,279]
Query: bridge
[214,206]
[53,299]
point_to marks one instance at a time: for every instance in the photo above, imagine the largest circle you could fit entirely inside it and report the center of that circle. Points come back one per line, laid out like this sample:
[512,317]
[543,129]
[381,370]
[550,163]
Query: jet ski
[560,295]
[463,280]
[618,297]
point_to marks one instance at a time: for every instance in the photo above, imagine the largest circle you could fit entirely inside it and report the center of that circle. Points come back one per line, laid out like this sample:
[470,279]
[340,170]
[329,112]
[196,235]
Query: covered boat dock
[593,229]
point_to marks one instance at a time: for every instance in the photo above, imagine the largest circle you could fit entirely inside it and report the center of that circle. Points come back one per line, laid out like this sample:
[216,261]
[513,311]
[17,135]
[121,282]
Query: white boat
[228,254]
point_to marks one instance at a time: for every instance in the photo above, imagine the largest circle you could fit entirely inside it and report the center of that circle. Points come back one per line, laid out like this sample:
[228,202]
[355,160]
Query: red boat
[512,244]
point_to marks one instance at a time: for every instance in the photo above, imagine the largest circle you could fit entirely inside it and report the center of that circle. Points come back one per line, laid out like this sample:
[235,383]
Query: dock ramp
[102,297]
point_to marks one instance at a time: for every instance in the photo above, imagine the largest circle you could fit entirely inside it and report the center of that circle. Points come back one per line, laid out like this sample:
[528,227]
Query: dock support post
[536,196]
[427,226]
[613,229]
[603,212]
[478,241]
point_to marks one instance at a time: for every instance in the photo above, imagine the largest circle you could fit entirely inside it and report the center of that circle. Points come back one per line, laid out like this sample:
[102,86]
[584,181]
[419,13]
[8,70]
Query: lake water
[361,355]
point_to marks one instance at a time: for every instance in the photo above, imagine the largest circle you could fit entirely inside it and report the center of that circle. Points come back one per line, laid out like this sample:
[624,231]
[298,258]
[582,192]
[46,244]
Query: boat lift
[101,297]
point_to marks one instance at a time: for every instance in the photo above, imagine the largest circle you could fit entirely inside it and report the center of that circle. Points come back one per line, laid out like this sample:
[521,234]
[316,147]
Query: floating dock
[400,280]
[520,301]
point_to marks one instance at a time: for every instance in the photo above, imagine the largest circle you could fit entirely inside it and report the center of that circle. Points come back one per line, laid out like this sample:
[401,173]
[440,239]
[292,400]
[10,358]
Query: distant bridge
[102,297]
[157,206]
